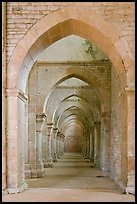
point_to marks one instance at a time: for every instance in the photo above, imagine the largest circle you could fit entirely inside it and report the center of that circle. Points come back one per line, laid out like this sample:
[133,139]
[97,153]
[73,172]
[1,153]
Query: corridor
[72,171]
[68,98]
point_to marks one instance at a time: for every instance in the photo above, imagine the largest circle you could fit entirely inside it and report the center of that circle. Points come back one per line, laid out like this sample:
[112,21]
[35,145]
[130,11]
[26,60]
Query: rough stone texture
[27,31]
[116,139]
[20,19]
[73,139]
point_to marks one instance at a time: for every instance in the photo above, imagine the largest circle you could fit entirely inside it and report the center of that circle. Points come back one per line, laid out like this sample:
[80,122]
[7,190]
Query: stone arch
[63,107]
[62,23]
[89,80]
[78,114]
[45,32]
[62,102]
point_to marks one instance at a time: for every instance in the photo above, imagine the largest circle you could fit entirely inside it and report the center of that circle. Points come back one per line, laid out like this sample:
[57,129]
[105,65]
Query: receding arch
[77,112]
[66,21]
[91,82]
[63,107]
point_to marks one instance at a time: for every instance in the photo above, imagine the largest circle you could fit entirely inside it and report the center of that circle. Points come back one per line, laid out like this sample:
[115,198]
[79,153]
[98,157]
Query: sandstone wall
[21,16]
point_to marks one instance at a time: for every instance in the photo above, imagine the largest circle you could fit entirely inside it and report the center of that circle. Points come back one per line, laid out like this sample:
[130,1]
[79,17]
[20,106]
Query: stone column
[46,162]
[63,140]
[91,143]
[85,144]
[106,122]
[58,141]
[15,140]
[97,144]
[32,121]
[3,95]
[127,102]
[39,160]
[26,147]
[88,146]
[44,141]
[54,151]
[49,135]
[61,144]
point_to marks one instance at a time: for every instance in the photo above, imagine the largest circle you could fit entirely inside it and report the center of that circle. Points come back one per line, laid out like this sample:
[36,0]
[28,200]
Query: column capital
[41,117]
[14,92]
[39,122]
[58,133]
[55,128]
[49,127]
[61,135]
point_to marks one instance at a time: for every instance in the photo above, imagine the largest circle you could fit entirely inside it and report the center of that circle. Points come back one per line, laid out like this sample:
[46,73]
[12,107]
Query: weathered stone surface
[82,93]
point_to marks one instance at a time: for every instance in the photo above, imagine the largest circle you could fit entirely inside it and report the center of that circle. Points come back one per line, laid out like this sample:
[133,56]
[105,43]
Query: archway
[45,32]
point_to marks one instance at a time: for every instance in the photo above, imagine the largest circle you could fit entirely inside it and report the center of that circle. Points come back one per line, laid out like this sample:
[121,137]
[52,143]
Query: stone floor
[72,179]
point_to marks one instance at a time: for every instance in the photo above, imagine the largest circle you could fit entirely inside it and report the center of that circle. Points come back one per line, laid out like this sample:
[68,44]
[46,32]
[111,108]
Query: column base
[23,187]
[40,170]
[91,159]
[54,158]
[33,173]
[4,191]
[106,169]
[130,188]
[97,162]
[48,165]
[27,171]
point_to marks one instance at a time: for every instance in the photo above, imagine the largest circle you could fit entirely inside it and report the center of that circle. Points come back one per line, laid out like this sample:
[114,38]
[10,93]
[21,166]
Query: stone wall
[21,16]
[73,139]
[117,149]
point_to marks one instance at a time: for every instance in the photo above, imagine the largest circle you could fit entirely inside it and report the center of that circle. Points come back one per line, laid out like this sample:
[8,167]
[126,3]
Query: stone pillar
[54,151]
[91,157]
[127,103]
[88,146]
[15,140]
[32,121]
[86,155]
[63,140]
[97,144]
[58,141]
[44,141]
[49,135]
[85,144]
[46,161]
[26,147]
[61,144]
[106,122]
[3,95]
[39,160]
